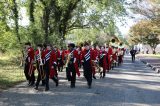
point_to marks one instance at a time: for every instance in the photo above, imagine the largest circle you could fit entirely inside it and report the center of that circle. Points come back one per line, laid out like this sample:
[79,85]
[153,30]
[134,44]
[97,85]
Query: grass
[10,72]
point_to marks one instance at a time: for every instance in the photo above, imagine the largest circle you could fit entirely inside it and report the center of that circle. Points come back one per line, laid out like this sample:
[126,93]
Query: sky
[129,22]
[124,29]
[24,20]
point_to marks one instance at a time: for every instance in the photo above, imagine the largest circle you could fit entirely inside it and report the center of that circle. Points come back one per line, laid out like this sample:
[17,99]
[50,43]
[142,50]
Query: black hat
[44,45]
[86,44]
[28,43]
[40,45]
[71,45]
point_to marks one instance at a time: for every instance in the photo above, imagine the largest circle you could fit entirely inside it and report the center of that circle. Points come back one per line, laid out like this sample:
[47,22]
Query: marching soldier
[50,66]
[95,57]
[62,59]
[110,52]
[79,49]
[72,64]
[58,56]
[39,62]
[29,68]
[87,59]
[114,56]
[103,60]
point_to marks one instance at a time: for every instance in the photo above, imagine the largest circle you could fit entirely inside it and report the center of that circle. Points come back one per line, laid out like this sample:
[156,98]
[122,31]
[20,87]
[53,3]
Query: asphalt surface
[132,84]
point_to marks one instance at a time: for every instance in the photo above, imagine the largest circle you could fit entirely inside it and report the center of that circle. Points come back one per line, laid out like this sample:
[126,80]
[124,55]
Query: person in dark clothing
[133,53]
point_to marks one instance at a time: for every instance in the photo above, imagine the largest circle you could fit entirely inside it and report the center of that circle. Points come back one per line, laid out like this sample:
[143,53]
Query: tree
[150,10]
[144,32]
[16,18]
[62,16]
[52,20]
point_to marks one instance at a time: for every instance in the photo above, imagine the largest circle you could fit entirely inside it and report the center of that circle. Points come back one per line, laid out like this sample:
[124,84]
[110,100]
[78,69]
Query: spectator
[133,53]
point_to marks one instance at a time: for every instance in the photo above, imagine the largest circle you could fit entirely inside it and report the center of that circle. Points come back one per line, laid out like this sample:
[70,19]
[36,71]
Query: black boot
[72,85]
[104,74]
[57,82]
[43,83]
[46,89]
[29,82]
[94,77]
[32,83]
[100,74]
[36,88]
[89,85]
[55,79]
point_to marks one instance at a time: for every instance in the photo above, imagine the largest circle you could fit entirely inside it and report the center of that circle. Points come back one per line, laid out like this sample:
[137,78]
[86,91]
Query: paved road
[132,84]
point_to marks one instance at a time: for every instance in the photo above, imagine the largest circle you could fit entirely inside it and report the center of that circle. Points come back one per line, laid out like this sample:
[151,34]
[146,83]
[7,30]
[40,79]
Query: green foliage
[82,35]
[53,20]
[144,32]
[147,30]
[96,36]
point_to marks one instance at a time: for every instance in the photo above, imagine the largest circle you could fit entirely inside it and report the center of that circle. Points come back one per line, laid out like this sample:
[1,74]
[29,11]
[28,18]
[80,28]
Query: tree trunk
[16,18]
[32,21]
[46,23]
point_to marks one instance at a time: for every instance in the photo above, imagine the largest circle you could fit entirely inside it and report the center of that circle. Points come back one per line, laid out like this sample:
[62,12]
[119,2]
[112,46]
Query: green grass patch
[10,72]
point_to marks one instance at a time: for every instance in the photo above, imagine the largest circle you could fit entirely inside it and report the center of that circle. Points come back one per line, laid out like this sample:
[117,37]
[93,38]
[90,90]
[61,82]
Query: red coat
[38,55]
[29,60]
[95,57]
[30,55]
[57,52]
[103,59]
[114,56]
[95,53]
[52,61]
[110,53]
[75,57]
[84,52]
[63,55]
[79,55]
[62,58]
[66,52]
[58,56]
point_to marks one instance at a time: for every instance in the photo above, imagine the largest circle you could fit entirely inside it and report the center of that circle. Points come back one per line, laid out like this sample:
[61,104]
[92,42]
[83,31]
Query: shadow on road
[130,84]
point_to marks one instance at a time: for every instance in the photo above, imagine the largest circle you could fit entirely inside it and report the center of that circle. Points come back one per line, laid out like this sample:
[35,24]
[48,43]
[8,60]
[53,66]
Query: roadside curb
[155,68]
